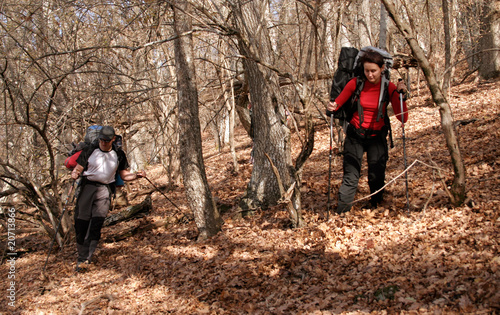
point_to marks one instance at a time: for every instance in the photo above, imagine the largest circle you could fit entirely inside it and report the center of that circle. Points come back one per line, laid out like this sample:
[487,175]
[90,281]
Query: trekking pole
[330,168]
[59,224]
[161,192]
[404,148]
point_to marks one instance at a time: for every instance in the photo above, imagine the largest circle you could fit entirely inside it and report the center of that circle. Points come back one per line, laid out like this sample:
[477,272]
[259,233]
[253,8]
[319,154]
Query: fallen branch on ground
[130,213]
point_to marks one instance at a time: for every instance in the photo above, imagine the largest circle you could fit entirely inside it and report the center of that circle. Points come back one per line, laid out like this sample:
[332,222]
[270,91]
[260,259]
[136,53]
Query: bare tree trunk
[458,187]
[336,34]
[490,61]
[431,29]
[364,24]
[198,194]
[454,12]
[229,100]
[382,43]
[271,134]
[447,46]
[232,119]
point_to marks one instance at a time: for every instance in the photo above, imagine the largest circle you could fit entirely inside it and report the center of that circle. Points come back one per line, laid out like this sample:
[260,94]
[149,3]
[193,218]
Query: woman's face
[373,72]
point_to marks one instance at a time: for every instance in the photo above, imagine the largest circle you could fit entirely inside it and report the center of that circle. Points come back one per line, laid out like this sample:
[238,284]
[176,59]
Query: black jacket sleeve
[122,160]
[84,156]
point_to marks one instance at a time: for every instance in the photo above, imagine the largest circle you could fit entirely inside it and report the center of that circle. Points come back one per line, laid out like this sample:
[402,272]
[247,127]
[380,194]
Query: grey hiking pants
[376,154]
[92,208]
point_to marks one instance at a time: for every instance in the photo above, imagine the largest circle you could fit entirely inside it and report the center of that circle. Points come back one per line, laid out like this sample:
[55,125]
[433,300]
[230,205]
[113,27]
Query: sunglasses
[106,141]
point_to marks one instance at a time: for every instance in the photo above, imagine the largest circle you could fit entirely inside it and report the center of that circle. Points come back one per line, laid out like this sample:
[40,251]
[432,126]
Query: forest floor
[433,259]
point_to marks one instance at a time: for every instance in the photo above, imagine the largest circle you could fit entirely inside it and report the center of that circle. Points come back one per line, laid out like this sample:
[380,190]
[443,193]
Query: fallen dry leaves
[436,259]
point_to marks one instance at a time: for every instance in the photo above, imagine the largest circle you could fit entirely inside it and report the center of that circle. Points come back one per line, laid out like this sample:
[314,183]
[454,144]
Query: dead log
[145,224]
[465,122]
[140,227]
[130,212]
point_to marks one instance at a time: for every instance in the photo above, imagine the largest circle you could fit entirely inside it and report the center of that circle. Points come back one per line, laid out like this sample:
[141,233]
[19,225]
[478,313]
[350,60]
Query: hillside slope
[435,259]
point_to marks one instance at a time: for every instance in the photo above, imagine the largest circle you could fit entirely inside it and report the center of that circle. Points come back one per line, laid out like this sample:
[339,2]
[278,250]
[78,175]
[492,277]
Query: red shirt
[369,101]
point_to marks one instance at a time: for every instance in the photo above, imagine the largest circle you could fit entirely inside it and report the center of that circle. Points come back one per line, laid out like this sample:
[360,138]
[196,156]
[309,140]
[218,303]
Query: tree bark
[197,191]
[271,133]
[229,100]
[458,186]
[364,24]
[447,46]
[382,43]
[490,61]
[232,121]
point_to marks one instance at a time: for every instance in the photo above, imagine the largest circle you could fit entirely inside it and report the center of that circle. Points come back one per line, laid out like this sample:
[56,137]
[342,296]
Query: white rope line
[394,179]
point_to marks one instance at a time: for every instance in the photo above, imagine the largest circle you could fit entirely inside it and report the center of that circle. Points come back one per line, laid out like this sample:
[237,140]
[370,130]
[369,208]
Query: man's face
[106,145]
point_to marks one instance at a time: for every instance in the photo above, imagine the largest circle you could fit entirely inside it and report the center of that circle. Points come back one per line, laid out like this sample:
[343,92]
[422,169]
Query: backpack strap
[360,84]
[383,99]
[384,102]
[382,106]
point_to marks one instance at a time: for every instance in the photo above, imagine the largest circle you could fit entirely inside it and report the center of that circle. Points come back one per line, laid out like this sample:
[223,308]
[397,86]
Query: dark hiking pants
[376,154]
[92,207]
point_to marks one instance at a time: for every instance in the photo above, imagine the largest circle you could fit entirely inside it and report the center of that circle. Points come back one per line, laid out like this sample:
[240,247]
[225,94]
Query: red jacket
[369,101]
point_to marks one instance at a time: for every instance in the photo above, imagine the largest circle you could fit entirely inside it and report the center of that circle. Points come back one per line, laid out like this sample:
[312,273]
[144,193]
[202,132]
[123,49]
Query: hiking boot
[366,205]
[343,207]
[83,252]
[370,205]
[340,211]
[81,265]
[92,247]
[376,200]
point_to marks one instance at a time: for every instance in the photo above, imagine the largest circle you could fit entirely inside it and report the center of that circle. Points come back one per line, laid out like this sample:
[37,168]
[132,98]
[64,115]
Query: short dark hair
[373,57]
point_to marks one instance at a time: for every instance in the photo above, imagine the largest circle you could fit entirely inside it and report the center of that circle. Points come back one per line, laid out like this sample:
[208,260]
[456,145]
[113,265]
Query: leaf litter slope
[436,259]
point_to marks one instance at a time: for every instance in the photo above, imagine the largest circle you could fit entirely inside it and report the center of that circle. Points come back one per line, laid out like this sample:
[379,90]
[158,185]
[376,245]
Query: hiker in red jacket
[366,131]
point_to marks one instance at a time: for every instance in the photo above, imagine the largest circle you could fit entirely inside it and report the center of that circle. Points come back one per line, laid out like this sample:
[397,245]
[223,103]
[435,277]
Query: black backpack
[346,70]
